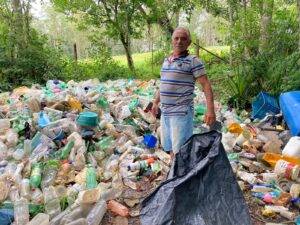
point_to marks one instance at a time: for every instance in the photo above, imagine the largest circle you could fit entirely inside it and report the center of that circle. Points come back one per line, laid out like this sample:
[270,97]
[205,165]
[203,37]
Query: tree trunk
[298,10]
[127,48]
[16,28]
[265,22]
[231,21]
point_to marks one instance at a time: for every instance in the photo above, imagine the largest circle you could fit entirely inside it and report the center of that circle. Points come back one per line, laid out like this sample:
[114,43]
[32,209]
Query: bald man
[179,73]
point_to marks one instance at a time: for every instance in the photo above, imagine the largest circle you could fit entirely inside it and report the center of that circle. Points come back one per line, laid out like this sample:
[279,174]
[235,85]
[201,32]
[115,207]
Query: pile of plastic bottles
[69,150]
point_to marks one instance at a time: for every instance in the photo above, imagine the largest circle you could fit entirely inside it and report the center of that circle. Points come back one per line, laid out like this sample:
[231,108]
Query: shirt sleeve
[197,68]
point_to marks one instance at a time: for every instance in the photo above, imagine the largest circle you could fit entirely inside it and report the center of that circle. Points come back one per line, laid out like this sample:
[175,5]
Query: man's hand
[210,118]
[154,109]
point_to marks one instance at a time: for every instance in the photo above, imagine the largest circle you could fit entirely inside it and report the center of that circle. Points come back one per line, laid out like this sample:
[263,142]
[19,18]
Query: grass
[139,59]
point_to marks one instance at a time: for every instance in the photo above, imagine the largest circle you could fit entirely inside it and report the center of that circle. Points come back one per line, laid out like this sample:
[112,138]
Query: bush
[37,62]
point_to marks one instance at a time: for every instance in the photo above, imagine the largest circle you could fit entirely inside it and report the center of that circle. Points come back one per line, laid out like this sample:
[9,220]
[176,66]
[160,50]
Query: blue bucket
[150,140]
[263,104]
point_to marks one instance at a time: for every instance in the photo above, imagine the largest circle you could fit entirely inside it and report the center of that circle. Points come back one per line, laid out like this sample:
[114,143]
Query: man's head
[181,39]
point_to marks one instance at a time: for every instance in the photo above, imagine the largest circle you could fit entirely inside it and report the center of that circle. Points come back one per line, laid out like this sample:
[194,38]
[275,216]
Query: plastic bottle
[287,170]
[272,159]
[295,190]
[81,221]
[118,208]
[27,147]
[36,175]
[105,143]
[96,214]
[14,194]
[124,147]
[140,165]
[11,138]
[21,211]
[43,119]
[52,204]
[25,188]
[292,148]
[50,172]
[40,219]
[37,196]
[91,177]
[71,195]
[65,151]
[18,154]
[248,177]
[4,125]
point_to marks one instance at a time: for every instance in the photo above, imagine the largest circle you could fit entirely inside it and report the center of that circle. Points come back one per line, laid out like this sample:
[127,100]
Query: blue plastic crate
[263,104]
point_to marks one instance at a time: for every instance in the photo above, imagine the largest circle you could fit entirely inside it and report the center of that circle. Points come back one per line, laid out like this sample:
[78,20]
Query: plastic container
[272,158]
[118,208]
[49,173]
[36,175]
[96,214]
[40,219]
[91,177]
[21,211]
[43,119]
[88,119]
[287,170]
[263,104]
[25,188]
[292,148]
[150,140]
[290,107]
[4,125]
[52,205]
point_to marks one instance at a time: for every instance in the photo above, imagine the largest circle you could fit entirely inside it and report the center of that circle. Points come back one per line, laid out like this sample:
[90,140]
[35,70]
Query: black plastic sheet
[201,188]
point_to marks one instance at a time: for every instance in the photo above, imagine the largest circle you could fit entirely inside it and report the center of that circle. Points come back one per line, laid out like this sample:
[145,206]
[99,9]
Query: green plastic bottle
[36,175]
[105,143]
[91,177]
[103,103]
[133,104]
[65,151]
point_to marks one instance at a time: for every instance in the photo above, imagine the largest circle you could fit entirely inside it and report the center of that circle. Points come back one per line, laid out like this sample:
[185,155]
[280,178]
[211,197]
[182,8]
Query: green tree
[121,19]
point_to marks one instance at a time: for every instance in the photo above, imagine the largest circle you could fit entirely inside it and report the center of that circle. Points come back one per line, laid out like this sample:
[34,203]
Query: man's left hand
[210,118]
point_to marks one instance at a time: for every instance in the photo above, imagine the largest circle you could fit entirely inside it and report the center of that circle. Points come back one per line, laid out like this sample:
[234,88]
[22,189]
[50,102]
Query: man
[179,74]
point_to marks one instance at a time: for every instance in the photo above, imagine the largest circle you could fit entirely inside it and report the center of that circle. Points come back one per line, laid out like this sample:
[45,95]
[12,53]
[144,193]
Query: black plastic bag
[201,188]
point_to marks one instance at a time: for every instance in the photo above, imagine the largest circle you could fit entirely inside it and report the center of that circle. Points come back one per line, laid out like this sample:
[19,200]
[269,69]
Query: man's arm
[210,116]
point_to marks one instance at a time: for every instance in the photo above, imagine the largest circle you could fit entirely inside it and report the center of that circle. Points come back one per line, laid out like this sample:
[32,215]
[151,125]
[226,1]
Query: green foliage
[37,62]
[274,69]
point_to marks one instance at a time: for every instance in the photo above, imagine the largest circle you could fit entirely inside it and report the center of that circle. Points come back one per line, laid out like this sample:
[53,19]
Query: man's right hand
[154,109]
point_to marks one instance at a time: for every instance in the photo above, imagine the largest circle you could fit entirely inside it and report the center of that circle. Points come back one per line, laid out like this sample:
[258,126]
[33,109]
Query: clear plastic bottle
[50,172]
[27,147]
[21,211]
[52,204]
[40,219]
[96,214]
[14,194]
[37,196]
[25,188]
[4,125]
[81,221]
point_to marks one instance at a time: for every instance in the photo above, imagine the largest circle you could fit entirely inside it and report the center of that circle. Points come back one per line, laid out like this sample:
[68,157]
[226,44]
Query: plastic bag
[201,188]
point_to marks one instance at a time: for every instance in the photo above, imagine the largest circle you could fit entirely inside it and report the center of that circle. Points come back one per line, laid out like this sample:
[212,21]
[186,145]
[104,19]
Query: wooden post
[75,52]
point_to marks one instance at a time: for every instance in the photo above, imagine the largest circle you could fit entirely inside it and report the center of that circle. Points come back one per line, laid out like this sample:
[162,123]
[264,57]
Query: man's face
[180,41]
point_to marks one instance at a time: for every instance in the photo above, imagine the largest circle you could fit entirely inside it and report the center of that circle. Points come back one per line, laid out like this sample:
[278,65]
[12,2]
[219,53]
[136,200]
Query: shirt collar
[182,55]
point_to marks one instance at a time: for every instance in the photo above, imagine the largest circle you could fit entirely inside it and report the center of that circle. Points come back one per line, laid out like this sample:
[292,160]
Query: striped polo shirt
[177,83]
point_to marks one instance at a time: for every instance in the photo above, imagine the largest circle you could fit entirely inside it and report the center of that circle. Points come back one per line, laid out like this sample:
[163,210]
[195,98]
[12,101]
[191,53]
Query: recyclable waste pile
[266,160]
[73,153]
